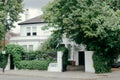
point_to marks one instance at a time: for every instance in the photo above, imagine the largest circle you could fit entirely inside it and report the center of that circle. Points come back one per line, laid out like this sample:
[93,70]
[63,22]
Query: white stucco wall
[76,58]
[27,43]
[89,62]
[36,40]
[56,67]
[40,32]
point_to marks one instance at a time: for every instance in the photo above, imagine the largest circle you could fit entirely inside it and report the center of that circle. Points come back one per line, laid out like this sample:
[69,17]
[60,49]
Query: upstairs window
[34,31]
[31,31]
[28,31]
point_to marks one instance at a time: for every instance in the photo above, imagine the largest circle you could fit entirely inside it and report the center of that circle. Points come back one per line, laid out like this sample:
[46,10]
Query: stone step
[75,68]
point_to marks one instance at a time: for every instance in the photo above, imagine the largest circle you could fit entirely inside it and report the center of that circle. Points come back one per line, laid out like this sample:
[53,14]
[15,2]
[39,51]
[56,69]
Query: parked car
[116,65]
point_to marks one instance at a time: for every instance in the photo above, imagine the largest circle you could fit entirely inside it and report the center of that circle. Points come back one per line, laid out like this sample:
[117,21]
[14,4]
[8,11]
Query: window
[34,31]
[34,34]
[30,47]
[25,47]
[28,31]
[31,31]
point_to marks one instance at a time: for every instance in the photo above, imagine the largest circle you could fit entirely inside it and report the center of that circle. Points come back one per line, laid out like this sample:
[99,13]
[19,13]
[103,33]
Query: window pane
[28,29]
[34,29]
[30,47]
[34,33]
[28,34]
[25,47]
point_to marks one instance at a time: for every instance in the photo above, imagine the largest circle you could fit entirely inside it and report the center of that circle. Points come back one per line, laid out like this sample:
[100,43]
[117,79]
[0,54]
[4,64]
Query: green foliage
[16,51]
[38,55]
[114,4]
[3,60]
[62,48]
[9,13]
[1,32]
[13,8]
[101,63]
[49,46]
[94,23]
[33,64]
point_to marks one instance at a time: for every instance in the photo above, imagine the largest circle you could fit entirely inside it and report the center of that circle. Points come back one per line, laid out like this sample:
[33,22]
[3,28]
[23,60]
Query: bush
[33,64]
[3,60]
[33,55]
[101,63]
[15,50]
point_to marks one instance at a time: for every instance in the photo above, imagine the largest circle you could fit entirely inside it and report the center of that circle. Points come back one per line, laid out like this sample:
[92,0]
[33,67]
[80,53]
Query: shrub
[3,60]
[33,64]
[33,55]
[15,50]
[101,63]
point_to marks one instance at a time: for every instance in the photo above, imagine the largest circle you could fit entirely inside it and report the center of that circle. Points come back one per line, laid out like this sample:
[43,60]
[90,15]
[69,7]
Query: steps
[75,68]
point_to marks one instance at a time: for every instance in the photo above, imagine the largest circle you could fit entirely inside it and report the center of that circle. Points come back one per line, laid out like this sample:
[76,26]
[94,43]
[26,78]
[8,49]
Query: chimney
[26,14]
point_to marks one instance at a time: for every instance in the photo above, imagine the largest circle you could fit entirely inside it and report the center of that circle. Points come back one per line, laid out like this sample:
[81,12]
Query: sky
[35,9]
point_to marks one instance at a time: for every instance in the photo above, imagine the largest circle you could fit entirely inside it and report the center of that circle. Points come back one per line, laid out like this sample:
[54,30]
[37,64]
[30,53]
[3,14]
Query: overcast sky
[35,7]
[36,4]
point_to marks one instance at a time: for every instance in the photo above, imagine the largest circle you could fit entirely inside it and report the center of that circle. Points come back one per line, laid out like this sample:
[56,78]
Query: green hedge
[33,64]
[101,63]
[3,60]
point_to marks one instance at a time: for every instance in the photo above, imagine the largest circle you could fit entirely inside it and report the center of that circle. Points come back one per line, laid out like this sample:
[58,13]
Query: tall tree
[94,23]
[9,13]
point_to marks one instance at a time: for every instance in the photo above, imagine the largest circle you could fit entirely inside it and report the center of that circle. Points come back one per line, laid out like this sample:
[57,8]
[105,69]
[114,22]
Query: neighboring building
[31,34]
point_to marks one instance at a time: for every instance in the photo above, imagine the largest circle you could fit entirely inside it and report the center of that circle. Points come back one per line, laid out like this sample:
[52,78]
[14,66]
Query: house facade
[31,34]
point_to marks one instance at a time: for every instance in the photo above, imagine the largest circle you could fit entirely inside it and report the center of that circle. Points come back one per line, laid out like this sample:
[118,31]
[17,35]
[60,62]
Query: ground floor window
[28,47]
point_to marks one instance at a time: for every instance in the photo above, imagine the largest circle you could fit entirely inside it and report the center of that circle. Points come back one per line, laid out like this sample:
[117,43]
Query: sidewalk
[68,74]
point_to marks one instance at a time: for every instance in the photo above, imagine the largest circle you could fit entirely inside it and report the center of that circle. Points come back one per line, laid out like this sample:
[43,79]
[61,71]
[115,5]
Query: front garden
[32,60]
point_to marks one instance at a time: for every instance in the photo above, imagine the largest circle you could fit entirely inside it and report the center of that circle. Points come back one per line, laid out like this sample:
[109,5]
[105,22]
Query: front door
[81,58]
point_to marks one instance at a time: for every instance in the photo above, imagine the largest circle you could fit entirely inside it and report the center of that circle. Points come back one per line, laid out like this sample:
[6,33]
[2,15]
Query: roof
[35,20]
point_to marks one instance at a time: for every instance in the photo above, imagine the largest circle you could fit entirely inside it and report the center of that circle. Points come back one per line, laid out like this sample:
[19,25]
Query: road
[17,77]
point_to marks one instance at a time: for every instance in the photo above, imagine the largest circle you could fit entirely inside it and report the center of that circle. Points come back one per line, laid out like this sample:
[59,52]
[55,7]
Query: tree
[9,13]
[94,23]
[51,43]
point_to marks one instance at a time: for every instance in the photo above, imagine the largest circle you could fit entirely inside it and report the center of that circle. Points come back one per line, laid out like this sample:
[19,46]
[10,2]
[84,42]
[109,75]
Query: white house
[31,34]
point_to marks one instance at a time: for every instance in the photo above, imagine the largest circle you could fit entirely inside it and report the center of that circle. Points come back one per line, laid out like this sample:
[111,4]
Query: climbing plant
[15,50]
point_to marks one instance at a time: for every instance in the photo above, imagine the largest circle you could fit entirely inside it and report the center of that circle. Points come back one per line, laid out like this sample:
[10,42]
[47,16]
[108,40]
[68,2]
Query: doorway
[81,57]
[11,62]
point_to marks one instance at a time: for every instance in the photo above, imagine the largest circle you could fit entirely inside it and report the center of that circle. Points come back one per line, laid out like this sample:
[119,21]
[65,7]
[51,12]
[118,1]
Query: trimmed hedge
[33,64]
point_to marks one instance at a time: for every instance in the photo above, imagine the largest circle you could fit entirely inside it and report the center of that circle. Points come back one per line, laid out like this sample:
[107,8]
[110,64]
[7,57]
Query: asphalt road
[16,77]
